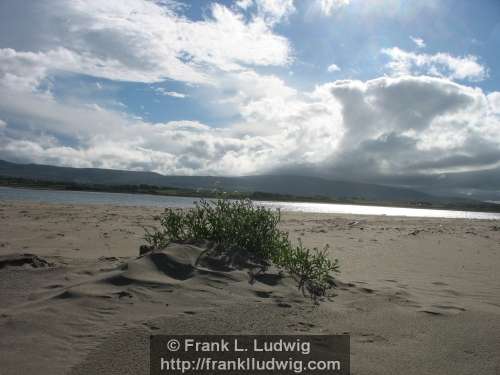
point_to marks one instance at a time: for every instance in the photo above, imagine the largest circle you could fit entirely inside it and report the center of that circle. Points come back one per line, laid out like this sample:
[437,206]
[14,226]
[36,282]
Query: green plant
[242,225]
[155,239]
[313,268]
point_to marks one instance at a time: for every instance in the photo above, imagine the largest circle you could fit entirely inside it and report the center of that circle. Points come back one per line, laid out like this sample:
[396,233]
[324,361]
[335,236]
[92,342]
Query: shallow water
[85,197]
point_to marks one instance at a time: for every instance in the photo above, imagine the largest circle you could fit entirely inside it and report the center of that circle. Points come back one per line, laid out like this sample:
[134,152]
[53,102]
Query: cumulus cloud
[133,40]
[333,68]
[494,100]
[362,130]
[328,7]
[439,64]
[419,42]
[274,11]
[147,42]
[406,129]
[244,4]
[277,125]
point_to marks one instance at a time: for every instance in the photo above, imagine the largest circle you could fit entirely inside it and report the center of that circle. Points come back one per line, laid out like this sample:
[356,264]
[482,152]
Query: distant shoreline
[185,194]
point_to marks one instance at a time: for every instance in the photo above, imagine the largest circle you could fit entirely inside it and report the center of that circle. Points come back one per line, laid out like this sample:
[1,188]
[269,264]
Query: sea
[121,199]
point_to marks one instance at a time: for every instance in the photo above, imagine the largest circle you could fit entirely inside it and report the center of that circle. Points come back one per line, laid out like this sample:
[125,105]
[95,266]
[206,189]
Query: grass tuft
[243,225]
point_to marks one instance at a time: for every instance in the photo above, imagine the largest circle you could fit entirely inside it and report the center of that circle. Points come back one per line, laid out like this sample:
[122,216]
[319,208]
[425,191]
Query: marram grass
[243,225]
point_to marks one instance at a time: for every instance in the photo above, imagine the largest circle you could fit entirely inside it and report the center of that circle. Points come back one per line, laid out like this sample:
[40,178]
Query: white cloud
[439,64]
[390,125]
[333,68]
[20,69]
[278,125]
[328,7]
[140,41]
[408,125]
[382,126]
[244,4]
[419,42]
[146,42]
[274,11]
[494,102]
[173,94]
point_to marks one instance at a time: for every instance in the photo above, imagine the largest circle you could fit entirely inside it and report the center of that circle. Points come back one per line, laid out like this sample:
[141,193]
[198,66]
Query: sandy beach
[417,296]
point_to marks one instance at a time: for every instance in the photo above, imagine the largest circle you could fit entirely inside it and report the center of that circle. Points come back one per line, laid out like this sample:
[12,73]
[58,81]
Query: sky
[396,92]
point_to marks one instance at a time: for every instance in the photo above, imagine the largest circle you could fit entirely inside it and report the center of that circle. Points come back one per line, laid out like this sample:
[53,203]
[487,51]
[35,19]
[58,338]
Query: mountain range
[287,186]
[275,184]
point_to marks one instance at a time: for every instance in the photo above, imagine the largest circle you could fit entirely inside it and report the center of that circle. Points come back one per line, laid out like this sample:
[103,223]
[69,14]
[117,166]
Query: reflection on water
[378,210]
[85,197]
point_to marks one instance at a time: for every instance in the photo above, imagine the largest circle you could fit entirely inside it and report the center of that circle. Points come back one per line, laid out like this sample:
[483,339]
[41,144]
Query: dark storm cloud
[420,132]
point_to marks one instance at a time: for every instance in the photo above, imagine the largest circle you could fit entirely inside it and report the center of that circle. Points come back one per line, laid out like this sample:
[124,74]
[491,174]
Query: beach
[416,295]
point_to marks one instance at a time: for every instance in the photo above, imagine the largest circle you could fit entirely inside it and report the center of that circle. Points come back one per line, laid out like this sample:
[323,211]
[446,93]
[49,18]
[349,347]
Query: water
[90,197]
[85,197]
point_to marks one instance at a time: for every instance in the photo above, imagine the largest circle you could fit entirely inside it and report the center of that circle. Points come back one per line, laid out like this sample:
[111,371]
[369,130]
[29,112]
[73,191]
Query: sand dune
[417,296]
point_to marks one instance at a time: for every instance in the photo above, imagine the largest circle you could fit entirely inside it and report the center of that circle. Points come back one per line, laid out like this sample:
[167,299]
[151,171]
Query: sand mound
[78,305]
[197,267]
[23,260]
[172,265]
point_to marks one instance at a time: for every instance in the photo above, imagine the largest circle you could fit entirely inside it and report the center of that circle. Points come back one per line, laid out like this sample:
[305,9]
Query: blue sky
[458,27]
[398,92]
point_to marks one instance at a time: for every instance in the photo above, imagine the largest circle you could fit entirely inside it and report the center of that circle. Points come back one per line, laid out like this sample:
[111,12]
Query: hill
[275,184]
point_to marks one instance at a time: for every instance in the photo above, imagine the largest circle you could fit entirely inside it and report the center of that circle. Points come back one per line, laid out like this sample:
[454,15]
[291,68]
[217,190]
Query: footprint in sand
[124,294]
[151,326]
[367,290]
[284,304]
[262,294]
[443,310]
[309,325]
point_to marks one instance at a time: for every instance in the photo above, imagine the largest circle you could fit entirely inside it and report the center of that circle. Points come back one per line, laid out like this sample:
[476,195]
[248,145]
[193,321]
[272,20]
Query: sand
[417,296]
